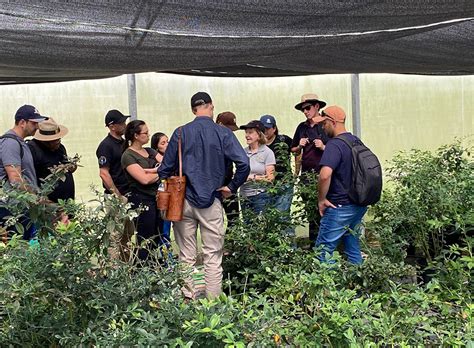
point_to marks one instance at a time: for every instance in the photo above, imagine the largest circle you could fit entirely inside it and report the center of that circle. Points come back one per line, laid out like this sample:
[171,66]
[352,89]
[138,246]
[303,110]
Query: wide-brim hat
[310,98]
[49,130]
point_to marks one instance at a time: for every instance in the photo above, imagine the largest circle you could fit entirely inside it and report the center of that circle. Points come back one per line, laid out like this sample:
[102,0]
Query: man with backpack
[350,179]
[16,163]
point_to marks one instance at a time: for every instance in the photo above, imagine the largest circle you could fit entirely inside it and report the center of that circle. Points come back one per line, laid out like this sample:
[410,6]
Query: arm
[234,152]
[323,183]
[15,178]
[71,167]
[298,143]
[270,163]
[269,174]
[108,182]
[139,174]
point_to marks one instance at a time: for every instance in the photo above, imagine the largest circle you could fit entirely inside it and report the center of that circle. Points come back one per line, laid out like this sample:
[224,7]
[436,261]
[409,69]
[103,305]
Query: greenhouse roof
[61,40]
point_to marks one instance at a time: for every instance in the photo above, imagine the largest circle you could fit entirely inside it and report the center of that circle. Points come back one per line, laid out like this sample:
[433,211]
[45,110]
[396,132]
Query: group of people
[219,172]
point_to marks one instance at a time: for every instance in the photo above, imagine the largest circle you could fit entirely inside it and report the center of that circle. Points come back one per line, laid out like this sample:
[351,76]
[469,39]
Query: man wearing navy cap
[280,144]
[16,162]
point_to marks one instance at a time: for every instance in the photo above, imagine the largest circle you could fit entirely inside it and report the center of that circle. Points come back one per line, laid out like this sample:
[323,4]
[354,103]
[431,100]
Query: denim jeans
[341,223]
[257,203]
[282,202]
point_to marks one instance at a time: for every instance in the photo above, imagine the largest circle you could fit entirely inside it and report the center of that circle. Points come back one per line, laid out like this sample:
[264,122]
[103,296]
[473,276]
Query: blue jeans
[257,203]
[282,202]
[341,223]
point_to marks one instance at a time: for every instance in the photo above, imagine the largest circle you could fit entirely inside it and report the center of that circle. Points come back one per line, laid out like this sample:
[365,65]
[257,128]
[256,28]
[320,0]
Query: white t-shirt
[258,162]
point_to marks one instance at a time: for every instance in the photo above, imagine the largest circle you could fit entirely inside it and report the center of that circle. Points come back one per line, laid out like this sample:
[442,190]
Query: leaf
[205,330]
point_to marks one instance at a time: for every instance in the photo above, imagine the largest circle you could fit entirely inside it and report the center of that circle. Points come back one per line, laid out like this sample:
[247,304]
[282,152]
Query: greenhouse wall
[398,112]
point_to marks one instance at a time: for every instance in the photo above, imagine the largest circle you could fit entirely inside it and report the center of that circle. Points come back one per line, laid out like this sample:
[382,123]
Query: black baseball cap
[254,124]
[29,113]
[200,98]
[115,117]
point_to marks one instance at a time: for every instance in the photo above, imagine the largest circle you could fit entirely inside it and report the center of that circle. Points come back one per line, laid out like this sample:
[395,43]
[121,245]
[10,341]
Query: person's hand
[123,199]
[319,144]
[71,167]
[322,205]
[226,192]
[303,142]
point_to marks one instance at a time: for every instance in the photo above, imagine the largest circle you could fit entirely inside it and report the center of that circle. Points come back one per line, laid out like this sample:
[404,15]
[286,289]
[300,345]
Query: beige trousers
[211,223]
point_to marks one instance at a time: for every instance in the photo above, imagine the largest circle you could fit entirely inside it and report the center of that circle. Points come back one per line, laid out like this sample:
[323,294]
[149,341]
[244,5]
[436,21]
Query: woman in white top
[262,167]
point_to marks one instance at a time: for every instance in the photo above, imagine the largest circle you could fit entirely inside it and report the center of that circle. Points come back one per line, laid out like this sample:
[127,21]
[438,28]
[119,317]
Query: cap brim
[232,127]
[122,120]
[266,125]
[41,137]
[41,119]
[310,101]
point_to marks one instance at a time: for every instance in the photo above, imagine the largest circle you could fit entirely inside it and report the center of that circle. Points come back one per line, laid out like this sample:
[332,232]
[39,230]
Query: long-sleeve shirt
[207,150]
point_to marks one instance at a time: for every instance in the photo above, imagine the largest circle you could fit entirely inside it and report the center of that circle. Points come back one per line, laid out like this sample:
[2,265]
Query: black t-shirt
[44,159]
[281,147]
[338,156]
[311,154]
[109,155]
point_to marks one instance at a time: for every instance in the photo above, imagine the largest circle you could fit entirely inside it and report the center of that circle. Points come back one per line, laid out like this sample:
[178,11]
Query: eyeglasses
[144,133]
[306,108]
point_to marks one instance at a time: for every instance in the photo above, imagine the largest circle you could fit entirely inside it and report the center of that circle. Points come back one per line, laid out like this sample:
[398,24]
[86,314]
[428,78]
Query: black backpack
[366,184]
[11,136]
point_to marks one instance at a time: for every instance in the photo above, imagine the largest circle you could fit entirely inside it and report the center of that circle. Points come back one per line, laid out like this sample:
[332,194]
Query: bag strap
[11,136]
[340,136]
[180,158]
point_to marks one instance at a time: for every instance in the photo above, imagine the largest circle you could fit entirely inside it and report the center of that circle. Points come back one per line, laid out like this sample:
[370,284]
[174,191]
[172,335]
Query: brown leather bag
[171,199]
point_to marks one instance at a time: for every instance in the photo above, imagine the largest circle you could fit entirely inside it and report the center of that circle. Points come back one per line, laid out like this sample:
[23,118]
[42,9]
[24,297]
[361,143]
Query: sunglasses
[306,108]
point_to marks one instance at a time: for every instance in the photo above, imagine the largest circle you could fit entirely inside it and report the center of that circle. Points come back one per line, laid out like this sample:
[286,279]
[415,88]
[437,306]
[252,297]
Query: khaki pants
[211,223]
[119,242]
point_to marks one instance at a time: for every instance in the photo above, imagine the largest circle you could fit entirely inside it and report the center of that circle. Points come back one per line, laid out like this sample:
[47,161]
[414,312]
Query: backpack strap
[349,143]
[11,136]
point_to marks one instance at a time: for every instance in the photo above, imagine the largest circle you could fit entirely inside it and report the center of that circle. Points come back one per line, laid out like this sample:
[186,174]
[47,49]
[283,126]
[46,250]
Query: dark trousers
[232,209]
[310,199]
[147,224]
[29,228]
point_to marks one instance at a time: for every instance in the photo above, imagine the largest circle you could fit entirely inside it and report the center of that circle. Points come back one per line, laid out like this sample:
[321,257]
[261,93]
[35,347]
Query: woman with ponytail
[143,185]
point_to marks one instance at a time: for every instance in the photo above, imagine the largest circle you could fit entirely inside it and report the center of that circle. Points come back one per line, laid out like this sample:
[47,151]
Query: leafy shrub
[68,291]
[429,199]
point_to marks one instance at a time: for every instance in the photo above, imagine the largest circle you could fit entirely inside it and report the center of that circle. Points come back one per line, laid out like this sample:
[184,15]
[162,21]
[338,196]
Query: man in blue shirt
[207,148]
[341,218]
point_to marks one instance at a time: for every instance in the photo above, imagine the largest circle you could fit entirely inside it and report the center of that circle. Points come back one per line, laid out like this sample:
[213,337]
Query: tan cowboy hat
[49,130]
[310,98]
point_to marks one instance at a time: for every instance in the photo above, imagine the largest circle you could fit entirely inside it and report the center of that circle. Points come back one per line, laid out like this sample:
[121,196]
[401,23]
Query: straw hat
[49,130]
[310,98]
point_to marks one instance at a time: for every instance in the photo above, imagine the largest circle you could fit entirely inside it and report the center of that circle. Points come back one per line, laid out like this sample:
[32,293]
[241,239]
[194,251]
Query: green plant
[428,202]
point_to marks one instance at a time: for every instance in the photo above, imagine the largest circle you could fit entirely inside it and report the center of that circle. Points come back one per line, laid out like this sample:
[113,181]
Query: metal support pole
[132,96]
[356,124]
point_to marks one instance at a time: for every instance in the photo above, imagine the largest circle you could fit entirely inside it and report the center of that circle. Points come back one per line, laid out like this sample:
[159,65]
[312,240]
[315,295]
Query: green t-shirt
[131,157]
